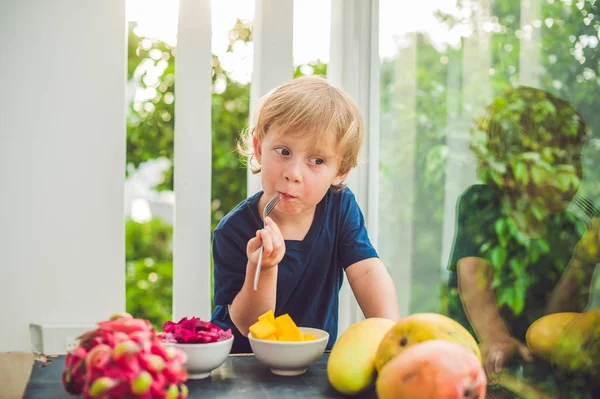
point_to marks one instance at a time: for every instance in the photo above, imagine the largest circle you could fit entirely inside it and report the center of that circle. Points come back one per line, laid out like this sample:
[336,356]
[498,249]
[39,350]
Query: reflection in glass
[444,66]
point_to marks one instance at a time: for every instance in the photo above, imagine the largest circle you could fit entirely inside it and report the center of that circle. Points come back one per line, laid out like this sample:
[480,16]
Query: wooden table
[241,376]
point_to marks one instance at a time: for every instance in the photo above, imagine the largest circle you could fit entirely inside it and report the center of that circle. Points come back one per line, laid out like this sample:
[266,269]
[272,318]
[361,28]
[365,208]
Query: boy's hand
[588,248]
[274,245]
[496,354]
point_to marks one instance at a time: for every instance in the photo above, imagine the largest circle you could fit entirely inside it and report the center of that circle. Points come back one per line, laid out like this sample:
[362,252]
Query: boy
[306,137]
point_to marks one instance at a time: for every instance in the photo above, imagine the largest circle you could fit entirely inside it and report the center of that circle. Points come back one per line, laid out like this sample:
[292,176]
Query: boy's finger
[275,238]
[269,221]
[255,242]
[490,363]
[499,361]
[525,353]
[267,242]
[274,227]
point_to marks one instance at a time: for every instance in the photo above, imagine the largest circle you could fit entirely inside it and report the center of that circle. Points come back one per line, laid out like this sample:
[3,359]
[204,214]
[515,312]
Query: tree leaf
[520,172]
[537,174]
[498,257]
[564,181]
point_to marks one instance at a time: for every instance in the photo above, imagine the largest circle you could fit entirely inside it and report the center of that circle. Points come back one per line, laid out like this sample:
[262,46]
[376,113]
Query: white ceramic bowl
[204,358]
[290,358]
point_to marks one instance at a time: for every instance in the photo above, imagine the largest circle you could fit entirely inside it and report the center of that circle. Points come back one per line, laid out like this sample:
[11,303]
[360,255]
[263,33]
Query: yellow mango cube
[262,329]
[269,316]
[309,337]
[293,335]
[271,337]
[284,324]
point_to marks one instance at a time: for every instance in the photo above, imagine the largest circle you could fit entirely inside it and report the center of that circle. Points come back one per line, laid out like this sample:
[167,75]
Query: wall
[62,156]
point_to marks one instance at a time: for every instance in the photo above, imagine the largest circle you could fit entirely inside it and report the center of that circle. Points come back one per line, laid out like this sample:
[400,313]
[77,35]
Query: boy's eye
[282,151]
[316,161]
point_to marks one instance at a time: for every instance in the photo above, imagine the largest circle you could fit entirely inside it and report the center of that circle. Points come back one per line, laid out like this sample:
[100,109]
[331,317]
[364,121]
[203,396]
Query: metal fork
[268,208]
[590,209]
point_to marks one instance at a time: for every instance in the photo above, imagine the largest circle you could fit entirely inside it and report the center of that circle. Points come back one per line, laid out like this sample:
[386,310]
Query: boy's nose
[292,173]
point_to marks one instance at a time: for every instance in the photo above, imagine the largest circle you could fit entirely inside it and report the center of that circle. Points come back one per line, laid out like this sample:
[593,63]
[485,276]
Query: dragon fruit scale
[125,358]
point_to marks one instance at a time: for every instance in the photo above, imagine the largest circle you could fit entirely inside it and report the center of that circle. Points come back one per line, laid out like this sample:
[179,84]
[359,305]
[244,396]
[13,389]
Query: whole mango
[351,363]
[420,327]
[436,369]
[543,334]
[578,347]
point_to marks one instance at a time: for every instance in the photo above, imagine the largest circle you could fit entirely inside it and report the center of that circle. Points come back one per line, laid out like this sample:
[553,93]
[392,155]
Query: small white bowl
[290,358]
[204,358]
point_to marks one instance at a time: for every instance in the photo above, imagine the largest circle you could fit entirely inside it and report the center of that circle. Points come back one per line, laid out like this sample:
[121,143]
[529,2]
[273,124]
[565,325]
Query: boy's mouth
[286,196]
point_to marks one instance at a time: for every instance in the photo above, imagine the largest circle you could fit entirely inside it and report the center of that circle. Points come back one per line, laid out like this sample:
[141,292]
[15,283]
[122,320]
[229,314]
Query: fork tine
[587,206]
[272,204]
[591,206]
[583,205]
[268,208]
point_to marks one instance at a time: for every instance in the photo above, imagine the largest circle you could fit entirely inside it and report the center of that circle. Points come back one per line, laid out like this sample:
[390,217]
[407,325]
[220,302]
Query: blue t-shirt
[310,274]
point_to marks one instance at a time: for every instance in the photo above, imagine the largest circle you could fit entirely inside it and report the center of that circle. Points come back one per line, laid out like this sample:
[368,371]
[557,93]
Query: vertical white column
[530,48]
[398,153]
[354,66]
[273,32]
[62,165]
[476,94]
[193,149]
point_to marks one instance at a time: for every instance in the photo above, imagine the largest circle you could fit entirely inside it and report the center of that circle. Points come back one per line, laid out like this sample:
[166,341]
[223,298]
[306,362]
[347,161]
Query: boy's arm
[572,292]
[497,344]
[247,304]
[479,299]
[373,288]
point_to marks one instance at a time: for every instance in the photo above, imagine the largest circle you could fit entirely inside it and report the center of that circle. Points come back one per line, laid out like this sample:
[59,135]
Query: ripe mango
[578,347]
[436,369]
[420,327]
[351,364]
[543,334]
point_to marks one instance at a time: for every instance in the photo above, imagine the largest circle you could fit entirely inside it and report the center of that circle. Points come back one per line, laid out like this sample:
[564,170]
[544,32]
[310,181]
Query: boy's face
[300,172]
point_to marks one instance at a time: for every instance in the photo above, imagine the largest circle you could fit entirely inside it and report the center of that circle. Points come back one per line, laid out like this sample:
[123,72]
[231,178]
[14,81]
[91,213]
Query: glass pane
[489,164]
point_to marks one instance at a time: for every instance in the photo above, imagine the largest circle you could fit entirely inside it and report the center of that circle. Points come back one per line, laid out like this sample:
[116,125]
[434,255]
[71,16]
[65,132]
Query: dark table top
[239,377]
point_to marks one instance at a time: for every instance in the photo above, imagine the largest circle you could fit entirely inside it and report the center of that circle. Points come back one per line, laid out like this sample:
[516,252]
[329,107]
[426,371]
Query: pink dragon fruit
[193,331]
[125,358]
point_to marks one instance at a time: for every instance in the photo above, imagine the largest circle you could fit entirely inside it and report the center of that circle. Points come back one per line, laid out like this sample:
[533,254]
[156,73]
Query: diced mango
[309,337]
[281,328]
[269,316]
[283,324]
[262,329]
[294,335]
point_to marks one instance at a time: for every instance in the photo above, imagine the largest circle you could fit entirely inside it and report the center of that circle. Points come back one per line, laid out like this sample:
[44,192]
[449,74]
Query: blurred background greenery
[566,62]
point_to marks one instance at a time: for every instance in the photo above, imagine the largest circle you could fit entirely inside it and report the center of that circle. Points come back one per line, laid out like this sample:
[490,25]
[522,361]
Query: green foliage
[150,122]
[150,134]
[149,273]
[313,68]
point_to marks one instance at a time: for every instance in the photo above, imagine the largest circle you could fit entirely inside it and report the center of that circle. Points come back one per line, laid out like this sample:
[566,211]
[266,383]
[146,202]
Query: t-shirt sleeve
[474,210]
[229,257]
[354,244]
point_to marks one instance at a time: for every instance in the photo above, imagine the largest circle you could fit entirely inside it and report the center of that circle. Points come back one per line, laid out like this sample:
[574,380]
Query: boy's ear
[257,149]
[339,179]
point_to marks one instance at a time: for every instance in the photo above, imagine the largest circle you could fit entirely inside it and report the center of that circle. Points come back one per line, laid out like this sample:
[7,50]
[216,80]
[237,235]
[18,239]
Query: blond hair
[309,105]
